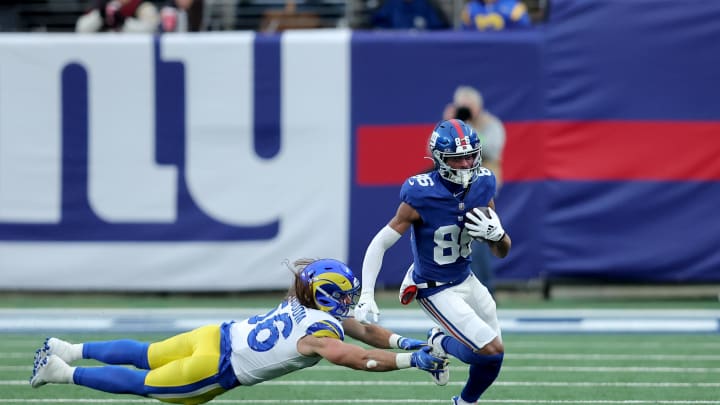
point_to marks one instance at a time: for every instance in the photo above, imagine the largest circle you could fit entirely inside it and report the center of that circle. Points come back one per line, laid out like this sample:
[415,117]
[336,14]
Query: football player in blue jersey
[495,15]
[196,366]
[445,209]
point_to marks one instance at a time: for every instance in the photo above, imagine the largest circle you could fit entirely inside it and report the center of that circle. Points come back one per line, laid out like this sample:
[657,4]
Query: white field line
[534,356]
[590,369]
[17,355]
[616,369]
[159,319]
[602,357]
[505,369]
[559,384]
[545,344]
[539,344]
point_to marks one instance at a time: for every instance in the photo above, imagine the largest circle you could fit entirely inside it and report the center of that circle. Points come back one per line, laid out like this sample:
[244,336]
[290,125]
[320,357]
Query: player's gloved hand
[402,342]
[485,227]
[366,310]
[410,343]
[423,360]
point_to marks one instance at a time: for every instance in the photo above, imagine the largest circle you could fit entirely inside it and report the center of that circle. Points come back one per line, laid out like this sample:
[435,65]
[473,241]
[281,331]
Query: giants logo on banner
[108,141]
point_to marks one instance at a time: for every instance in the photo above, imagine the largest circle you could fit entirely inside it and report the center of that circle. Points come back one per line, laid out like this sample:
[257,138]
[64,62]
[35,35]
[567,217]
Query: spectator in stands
[288,17]
[495,15]
[119,15]
[182,16]
[410,14]
[468,106]
[219,15]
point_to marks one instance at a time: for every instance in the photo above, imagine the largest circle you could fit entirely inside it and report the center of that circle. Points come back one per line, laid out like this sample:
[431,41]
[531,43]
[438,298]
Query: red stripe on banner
[559,150]
[595,150]
[387,155]
[524,157]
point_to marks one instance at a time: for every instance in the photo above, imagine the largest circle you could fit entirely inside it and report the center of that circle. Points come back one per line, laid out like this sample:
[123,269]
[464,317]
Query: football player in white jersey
[445,210]
[196,366]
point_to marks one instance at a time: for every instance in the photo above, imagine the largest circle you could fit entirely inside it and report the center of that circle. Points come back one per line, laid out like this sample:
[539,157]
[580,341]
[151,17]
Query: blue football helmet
[334,286]
[455,138]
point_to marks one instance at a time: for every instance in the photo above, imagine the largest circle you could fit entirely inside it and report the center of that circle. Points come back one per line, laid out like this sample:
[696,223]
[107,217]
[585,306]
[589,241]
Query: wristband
[394,341]
[403,360]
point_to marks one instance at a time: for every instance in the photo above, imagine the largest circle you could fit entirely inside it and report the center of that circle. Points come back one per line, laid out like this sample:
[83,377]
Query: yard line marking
[506,383]
[589,369]
[177,320]
[529,356]
[580,384]
[15,368]
[603,345]
[617,369]
[607,384]
[17,355]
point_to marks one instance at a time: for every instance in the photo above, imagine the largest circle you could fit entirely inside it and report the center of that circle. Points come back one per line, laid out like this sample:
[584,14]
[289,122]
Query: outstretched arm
[379,337]
[355,357]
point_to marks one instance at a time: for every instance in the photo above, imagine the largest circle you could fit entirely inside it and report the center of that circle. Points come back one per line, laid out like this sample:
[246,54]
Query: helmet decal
[461,140]
[335,288]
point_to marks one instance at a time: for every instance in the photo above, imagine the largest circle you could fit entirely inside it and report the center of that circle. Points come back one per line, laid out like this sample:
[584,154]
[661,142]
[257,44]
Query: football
[484,210]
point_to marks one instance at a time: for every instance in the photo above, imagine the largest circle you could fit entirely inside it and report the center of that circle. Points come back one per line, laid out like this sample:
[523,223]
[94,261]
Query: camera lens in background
[463,113]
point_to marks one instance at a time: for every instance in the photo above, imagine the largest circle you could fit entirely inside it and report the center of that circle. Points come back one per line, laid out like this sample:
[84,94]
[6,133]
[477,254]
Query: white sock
[68,374]
[68,352]
[75,352]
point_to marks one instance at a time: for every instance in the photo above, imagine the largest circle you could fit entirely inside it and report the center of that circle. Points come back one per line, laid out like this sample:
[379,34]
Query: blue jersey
[495,16]
[440,242]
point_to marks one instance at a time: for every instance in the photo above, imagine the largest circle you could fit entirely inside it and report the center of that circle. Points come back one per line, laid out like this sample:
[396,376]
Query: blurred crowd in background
[267,15]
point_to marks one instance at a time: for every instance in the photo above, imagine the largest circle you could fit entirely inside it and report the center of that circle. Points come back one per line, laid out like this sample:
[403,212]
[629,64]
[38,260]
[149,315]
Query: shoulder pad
[326,329]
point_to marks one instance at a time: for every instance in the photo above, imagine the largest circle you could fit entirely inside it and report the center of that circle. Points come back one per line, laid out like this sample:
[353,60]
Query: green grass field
[544,368]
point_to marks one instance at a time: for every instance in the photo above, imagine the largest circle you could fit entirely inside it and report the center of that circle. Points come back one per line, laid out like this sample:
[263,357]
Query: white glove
[484,225]
[366,311]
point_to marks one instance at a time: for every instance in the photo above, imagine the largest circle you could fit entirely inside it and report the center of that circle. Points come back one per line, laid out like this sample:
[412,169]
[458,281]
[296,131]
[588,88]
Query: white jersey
[265,346]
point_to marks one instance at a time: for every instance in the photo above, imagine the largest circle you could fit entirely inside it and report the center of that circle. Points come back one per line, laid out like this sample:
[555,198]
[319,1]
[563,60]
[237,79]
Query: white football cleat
[435,336]
[62,349]
[50,369]
[40,358]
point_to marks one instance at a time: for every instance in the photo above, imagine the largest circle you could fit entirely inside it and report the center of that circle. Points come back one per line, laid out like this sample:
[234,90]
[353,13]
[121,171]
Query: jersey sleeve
[326,328]
[414,189]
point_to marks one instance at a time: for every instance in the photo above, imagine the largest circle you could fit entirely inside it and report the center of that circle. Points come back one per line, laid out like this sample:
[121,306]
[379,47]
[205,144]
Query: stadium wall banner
[131,163]
[201,162]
